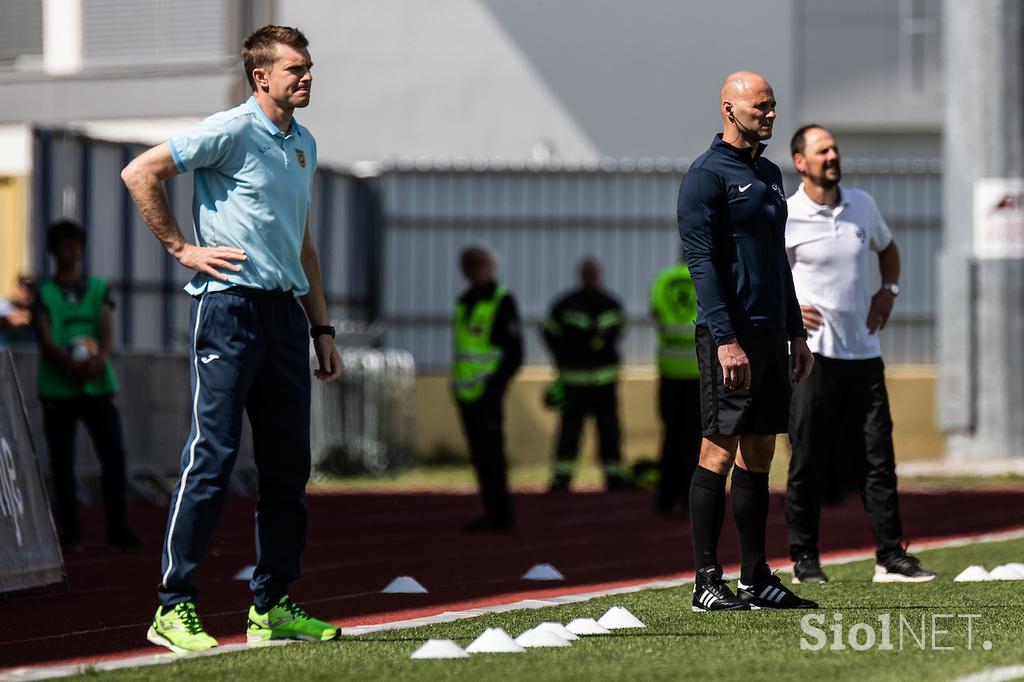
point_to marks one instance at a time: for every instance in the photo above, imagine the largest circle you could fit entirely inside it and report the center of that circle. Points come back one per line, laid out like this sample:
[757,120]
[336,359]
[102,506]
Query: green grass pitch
[679,644]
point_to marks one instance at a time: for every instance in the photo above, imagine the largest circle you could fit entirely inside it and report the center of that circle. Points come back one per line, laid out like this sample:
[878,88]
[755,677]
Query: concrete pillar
[981,287]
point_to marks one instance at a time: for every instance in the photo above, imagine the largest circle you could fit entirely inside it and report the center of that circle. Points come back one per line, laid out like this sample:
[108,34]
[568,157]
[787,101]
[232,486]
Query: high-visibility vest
[71,324]
[674,302]
[475,358]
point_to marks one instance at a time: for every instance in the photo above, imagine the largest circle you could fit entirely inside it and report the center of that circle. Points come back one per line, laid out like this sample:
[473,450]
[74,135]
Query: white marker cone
[245,573]
[494,641]
[543,572]
[404,584]
[558,629]
[618,618]
[439,648]
[586,626]
[972,574]
[1006,572]
[537,638]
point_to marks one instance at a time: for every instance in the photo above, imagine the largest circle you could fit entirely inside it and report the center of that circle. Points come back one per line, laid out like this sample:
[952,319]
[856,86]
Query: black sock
[750,511]
[707,512]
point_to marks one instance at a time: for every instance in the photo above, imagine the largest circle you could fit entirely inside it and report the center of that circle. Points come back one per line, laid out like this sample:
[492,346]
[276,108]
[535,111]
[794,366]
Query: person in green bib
[674,308]
[487,352]
[76,383]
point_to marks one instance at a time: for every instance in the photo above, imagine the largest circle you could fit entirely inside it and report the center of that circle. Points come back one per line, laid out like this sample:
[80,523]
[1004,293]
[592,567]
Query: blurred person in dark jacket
[582,332]
[488,350]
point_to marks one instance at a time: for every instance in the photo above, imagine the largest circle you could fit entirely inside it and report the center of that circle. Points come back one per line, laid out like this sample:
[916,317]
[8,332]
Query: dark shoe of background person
[487,525]
[618,484]
[901,568]
[124,540]
[710,593]
[772,594]
[807,569]
[670,513]
[71,543]
[559,484]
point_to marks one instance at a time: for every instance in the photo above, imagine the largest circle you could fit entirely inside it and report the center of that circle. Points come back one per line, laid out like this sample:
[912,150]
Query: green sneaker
[287,620]
[179,630]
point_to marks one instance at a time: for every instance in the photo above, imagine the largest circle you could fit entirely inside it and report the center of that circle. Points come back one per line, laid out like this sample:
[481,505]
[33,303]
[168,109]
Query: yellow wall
[530,429]
[13,231]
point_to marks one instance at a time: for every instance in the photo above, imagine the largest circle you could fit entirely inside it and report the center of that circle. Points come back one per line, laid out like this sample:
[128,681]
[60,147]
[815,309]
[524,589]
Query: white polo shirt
[828,250]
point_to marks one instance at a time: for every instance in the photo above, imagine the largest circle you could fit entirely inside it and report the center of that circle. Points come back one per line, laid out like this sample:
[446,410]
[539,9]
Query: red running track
[359,542]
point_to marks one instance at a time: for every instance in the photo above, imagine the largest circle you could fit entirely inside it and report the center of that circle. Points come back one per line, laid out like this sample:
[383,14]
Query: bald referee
[732,220]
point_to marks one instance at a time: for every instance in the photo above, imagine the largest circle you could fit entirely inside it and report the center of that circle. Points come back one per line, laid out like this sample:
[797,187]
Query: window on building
[21,34]
[921,46]
[155,32]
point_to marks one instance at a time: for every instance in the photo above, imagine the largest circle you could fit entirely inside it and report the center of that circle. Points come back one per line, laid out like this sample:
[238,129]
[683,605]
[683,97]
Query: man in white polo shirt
[839,418]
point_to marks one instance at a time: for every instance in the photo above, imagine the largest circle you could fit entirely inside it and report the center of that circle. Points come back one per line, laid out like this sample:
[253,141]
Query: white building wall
[474,78]
[497,79]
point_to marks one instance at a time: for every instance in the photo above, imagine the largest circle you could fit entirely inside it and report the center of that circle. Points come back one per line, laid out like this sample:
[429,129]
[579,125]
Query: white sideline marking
[1010,672]
[48,672]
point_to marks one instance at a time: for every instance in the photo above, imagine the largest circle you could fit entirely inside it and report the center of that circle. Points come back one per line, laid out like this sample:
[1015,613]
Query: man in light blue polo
[255,263]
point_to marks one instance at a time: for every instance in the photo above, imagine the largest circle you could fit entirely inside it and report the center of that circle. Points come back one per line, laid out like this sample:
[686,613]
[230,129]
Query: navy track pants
[250,350]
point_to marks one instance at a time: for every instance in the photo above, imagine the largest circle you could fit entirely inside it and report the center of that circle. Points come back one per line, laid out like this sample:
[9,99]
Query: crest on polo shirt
[301,156]
[860,234]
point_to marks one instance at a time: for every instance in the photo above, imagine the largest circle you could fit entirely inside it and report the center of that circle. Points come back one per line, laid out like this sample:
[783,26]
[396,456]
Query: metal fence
[364,422]
[389,243]
[540,222]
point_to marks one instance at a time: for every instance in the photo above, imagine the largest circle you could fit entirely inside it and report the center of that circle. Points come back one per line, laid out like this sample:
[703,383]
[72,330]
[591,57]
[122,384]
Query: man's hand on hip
[327,357]
[735,366]
[803,359]
[210,259]
[812,318]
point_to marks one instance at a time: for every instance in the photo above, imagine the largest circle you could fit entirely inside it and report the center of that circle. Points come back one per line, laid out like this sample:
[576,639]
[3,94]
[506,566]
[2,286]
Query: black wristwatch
[320,330]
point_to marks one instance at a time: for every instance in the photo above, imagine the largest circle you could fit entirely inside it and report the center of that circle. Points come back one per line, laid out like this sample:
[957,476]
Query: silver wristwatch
[892,288]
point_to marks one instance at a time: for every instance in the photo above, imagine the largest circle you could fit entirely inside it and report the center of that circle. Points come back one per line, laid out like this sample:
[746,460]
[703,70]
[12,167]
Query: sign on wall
[999,218]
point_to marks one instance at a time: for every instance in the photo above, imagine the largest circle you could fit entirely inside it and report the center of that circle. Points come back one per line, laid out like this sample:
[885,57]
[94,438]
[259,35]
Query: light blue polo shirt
[253,186]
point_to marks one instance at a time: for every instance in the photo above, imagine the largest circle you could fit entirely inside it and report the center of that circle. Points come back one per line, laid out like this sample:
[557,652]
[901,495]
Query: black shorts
[763,409]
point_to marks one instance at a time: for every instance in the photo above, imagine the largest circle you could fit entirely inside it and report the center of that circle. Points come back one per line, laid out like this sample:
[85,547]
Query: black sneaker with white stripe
[772,594]
[901,568]
[710,593]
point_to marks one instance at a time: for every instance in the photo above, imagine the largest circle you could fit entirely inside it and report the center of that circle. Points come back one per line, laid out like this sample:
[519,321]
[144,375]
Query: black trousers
[482,422]
[603,403]
[103,423]
[841,435]
[679,407]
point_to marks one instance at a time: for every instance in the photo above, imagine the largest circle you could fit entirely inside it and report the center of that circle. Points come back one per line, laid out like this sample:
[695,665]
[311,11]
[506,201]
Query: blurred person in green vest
[488,350]
[72,319]
[674,308]
[582,331]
